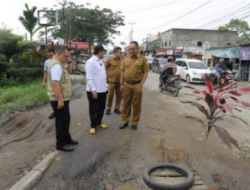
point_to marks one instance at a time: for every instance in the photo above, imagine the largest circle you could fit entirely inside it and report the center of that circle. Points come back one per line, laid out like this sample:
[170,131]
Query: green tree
[29,20]
[80,23]
[9,43]
[241,27]
[155,44]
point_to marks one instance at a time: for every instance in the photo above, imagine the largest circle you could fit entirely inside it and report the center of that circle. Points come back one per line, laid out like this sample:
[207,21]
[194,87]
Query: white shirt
[96,75]
[46,65]
[56,72]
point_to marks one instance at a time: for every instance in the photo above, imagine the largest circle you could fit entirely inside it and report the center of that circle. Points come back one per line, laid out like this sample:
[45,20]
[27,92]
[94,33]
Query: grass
[22,97]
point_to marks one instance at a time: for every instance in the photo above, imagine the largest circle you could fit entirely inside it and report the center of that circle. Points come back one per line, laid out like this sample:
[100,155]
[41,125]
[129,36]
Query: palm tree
[29,20]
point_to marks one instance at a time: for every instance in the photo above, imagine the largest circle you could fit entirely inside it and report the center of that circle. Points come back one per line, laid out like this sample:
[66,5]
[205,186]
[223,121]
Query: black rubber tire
[176,93]
[160,88]
[159,71]
[158,186]
[188,81]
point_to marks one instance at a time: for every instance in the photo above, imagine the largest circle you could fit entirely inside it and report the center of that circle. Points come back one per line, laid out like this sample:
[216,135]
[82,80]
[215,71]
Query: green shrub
[8,82]
[2,57]
[22,97]
[3,68]
[25,74]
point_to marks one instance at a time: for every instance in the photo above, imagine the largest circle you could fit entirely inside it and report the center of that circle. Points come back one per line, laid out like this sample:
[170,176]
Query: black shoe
[65,148]
[108,112]
[72,142]
[52,115]
[134,127]
[123,126]
[117,112]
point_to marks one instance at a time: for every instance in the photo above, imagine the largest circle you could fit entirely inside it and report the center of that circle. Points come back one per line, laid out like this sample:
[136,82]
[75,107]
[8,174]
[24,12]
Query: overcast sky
[150,16]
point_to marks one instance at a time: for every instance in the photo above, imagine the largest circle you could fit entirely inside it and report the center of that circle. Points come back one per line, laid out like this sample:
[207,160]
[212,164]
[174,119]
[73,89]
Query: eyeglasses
[66,57]
[132,49]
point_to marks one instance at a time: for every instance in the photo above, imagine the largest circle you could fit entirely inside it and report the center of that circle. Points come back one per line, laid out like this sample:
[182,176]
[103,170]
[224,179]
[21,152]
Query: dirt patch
[167,154]
[26,138]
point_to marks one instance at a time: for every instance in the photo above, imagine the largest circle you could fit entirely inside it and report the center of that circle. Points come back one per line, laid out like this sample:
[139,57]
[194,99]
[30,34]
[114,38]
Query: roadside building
[237,59]
[196,40]
[245,62]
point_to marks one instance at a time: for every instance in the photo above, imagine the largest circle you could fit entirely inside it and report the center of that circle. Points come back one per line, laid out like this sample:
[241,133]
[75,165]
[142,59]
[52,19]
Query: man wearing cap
[96,88]
[59,92]
[219,68]
[134,72]
[167,70]
[113,67]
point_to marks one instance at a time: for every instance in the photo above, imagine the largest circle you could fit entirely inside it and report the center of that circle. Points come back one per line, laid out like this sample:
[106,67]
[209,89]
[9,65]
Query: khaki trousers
[114,89]
[132,96]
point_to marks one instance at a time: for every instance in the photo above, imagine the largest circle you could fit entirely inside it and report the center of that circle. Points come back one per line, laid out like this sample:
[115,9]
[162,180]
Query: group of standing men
[123,78]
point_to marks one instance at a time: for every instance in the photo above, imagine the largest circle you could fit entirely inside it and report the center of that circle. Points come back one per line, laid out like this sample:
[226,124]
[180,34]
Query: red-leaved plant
[219,103]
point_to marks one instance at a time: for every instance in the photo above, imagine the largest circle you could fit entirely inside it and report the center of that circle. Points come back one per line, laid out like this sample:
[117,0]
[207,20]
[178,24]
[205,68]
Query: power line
[178,17]
[176,14]
[214,15]
[150,7]
[222,24]
[225,19]
[228,19]
[224,16]
[239,19]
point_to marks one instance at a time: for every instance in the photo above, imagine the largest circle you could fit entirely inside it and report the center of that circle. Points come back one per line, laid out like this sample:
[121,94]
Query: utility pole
[131,33]
[46,35]
[149,47]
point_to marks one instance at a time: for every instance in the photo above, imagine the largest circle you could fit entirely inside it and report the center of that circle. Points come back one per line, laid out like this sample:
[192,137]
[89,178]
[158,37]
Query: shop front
[231,56]
[177,53]
[245,63]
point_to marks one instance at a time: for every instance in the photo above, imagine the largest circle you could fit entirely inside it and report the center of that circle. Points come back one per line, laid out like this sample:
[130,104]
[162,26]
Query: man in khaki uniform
[134,72]
[113,67]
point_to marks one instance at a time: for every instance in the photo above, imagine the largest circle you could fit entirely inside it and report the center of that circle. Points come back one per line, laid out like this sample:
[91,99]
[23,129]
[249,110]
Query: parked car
[150,61]
[104,59]
[81,61]
[192,70]
[158,64]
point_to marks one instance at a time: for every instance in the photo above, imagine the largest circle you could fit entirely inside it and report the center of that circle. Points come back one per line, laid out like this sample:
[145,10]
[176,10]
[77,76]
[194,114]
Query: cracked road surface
[118,157]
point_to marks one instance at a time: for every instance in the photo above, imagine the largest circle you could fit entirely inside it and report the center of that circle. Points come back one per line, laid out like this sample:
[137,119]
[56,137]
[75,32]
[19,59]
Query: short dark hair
[97,51]
[51,50]
[135,42]
[98,48]
[61,49]
[117,49]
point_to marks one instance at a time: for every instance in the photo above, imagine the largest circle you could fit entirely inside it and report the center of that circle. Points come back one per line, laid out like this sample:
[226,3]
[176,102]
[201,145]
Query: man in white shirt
[50,54]
[60,92]
[96,88]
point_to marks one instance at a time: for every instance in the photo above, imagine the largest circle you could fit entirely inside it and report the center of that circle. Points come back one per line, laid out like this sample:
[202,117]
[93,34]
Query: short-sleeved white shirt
[56,72]
[46,65]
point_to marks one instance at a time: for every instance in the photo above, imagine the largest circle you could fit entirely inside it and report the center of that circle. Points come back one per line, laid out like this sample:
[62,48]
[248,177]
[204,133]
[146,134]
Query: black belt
[132,83]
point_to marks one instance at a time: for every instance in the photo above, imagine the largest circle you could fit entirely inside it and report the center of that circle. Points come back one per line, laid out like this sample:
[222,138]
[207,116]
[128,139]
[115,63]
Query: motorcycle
[226,77]
[172,84]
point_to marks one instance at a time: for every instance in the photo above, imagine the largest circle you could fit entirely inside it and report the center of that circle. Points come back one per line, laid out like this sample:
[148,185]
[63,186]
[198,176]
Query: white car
[150,61]
[192,70]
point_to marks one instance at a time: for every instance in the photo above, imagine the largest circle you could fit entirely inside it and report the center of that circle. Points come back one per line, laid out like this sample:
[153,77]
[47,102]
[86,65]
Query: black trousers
[62,120]
[164,78]
[96,108]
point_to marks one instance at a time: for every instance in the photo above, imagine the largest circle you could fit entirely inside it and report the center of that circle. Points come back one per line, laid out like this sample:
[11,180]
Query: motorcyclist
[220,67]
[165,74]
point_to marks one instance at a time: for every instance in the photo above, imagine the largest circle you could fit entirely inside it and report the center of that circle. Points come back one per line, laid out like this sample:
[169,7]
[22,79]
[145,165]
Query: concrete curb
[31,178]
